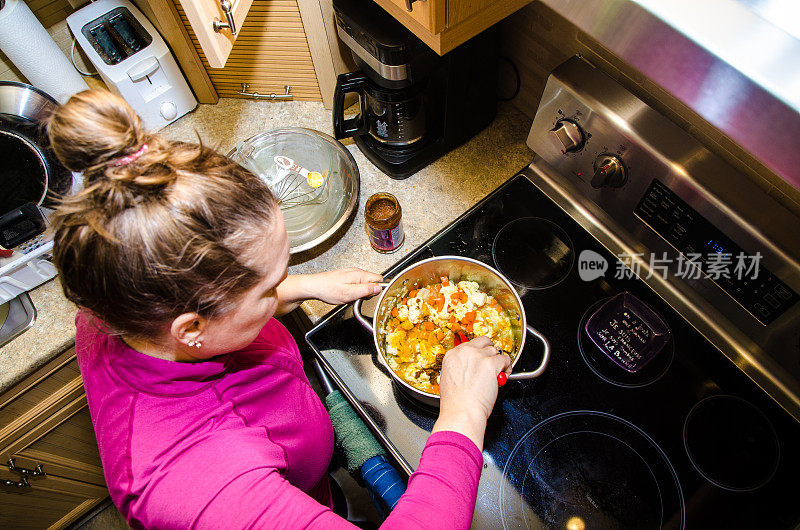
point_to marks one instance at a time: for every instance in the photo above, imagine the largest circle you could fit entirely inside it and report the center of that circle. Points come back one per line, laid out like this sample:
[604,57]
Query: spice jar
[384,222]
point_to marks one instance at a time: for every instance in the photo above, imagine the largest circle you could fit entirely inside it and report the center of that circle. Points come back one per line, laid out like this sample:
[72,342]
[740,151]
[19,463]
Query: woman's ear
[188,329]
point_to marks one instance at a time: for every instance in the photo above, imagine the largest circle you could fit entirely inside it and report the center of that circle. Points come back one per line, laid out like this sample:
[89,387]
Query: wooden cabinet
[45,420]
[216,23]
[444,24]
[279,43]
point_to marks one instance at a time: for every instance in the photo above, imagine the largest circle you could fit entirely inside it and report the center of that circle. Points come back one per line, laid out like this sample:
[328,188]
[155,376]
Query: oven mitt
[363,453]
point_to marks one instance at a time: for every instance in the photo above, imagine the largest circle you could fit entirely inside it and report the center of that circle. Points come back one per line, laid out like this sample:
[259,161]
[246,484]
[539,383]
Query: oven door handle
[545,358]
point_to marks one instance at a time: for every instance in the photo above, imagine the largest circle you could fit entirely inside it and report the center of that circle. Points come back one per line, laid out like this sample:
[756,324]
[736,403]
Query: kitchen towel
[34,52]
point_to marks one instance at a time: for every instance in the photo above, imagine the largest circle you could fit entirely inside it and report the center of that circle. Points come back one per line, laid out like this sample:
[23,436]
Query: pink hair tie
[125,160]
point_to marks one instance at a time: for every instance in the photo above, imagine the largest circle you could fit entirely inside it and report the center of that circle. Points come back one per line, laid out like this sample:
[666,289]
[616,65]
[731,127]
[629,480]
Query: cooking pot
[30,175]
[456,268]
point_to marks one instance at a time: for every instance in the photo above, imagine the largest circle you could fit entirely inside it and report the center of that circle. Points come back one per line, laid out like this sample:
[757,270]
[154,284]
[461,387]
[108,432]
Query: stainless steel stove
[672,398]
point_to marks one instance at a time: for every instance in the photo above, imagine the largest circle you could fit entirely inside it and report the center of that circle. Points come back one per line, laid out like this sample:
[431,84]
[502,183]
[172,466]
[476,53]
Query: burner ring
[731,443]
[589,469]
[533,252]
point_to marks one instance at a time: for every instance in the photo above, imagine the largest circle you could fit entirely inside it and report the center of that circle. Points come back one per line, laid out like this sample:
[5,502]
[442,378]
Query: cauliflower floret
[402,312]
[447,290]
[481,328]
[415,310]
[460,310]
[468,286]
[478,298]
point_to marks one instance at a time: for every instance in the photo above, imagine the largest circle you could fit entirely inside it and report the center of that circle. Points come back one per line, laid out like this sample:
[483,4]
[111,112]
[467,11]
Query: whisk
[293,185]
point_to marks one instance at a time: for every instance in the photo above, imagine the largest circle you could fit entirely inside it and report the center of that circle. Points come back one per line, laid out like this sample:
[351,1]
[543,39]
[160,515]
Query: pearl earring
[194,343]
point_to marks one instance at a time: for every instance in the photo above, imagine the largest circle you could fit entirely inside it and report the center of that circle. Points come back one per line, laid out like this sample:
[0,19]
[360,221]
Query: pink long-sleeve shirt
[240,441]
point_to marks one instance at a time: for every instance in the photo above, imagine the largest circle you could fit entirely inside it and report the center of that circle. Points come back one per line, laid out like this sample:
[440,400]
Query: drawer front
[49,502]
[64,445]
[38,396]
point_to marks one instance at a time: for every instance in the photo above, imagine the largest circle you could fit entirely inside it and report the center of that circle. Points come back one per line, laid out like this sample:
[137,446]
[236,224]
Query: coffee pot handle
[345,83]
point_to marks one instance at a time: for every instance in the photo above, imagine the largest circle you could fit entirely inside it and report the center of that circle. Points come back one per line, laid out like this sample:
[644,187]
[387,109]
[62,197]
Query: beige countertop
[430,199]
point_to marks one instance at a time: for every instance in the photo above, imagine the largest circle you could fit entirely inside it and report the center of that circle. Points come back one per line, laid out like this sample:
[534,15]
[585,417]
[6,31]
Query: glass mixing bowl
[313,176]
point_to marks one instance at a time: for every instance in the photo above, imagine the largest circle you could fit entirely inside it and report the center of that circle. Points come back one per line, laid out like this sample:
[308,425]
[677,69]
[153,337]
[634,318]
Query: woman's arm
[468,387]
[441,495]
[334,287]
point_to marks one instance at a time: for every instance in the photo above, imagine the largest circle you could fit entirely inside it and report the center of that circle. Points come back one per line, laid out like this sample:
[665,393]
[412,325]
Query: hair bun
[93,128]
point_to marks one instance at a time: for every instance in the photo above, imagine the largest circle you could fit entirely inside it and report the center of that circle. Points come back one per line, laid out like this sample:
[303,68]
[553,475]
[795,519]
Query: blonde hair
[166,233]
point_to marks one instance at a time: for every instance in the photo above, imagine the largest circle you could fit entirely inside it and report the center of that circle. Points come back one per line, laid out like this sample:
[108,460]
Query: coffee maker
[415,105]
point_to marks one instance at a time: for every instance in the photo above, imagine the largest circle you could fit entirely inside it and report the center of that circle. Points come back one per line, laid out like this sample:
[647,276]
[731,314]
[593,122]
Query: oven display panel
[740,274]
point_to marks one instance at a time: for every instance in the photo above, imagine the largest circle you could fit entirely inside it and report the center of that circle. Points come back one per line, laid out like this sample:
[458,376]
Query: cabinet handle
[38,471]
[256,95]
[218,25]
[22,483]
[409,4]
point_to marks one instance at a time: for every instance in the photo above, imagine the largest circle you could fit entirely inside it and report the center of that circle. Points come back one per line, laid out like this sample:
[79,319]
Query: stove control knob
[568,136]
[609,171]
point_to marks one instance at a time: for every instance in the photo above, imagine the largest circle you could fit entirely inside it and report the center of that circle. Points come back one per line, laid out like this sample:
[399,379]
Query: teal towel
[353,437]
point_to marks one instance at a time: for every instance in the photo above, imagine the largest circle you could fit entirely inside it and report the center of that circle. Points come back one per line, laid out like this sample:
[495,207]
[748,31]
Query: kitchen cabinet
[444,24]
[279,43]
[216,23]
[44,420]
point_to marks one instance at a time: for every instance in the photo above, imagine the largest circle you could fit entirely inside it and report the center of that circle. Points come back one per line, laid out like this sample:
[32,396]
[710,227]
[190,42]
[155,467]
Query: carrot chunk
[395,312]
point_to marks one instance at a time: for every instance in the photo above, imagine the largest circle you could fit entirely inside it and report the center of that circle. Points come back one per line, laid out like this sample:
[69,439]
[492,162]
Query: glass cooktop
[687,441]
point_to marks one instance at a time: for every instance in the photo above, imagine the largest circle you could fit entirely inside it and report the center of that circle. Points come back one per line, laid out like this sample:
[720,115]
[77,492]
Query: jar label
[386,240]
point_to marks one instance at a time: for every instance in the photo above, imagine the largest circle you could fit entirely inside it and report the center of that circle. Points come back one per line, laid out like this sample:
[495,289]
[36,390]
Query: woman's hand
[333,287]
[468,387]
[345,285]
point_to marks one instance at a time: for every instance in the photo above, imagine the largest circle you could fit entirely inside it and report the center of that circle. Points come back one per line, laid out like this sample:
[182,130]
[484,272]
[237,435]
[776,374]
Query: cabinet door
[49,502]
[31,401]
[429,13]
[205,16]
[444,24]
[65,446]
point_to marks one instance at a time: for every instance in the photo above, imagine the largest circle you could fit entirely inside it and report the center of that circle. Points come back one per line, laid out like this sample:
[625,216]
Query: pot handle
[545,359]
[357,310]
[357,313]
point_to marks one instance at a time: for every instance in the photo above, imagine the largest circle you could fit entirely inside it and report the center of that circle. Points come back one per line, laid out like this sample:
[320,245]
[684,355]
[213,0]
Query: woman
[203,415]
